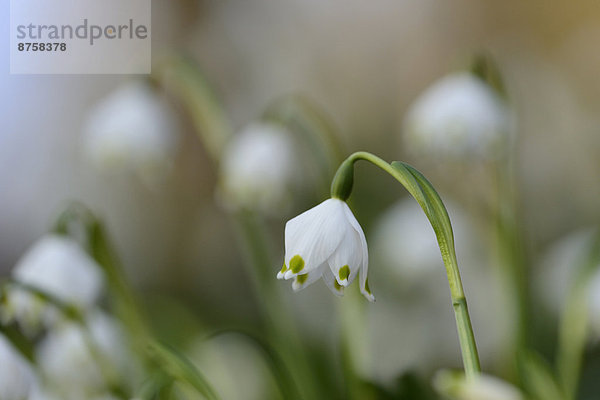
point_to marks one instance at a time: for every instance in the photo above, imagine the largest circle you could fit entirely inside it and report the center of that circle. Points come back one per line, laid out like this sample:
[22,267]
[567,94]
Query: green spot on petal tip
[284,268]
[301,278]
[367,286]
[296,264]
[344,272]
[337,286]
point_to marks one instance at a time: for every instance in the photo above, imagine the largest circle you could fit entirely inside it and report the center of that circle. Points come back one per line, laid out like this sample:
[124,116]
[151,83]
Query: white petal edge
[348,253]
[330,281]
[312,277]
[364,268]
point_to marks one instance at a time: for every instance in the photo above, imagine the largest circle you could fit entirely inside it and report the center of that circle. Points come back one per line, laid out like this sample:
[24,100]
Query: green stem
[575,321]
[420,188]
[183,78]
[511,253]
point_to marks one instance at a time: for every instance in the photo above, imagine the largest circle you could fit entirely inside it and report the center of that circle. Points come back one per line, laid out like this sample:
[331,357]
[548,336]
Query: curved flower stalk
[406,252]
[466,117]
[133,128]
[59,267]
[317,223]
[483,387]
[183,78]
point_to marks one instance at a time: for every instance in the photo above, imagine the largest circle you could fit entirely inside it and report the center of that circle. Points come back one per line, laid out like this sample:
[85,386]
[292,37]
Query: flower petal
[346,260]
[364,268]
[331,283]
[304,280]
[311,237]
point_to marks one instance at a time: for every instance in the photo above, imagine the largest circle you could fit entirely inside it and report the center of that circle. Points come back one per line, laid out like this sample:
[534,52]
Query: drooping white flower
[326,241]
[16,375]
[460,115]
[259,168]
[58,266]
[132,128]
[482,387]
[83,362]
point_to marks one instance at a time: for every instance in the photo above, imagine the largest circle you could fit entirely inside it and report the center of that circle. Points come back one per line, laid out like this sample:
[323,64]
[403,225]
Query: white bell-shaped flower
[16,375]
[132,128]
[79,362]
[258,169]
[58,266]
[458,116]
[481,387]
[326,241]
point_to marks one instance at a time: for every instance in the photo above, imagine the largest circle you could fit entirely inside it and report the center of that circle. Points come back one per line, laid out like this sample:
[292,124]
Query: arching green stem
[422,190]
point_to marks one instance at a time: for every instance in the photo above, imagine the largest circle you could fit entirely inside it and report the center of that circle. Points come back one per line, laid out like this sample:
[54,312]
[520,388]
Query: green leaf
[181,369]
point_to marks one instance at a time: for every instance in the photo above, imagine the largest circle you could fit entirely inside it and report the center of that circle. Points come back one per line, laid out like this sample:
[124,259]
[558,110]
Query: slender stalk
[511,253]
[420,188]
[575,321]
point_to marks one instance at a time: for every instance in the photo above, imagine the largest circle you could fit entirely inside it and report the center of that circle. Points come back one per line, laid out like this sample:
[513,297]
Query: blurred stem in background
[574,324]
[427,197]
[508,233]
[511,254]
[301,116]
[183,78]
[79,221]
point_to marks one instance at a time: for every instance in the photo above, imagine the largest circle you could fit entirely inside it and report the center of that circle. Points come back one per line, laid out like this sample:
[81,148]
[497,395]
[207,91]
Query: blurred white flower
[326,241]
[235,368]
[84,362]
[406,245]
[58,266]
[16,375]
[458,116]
[558,272]
[482,387]
[258,169]
[132,128]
